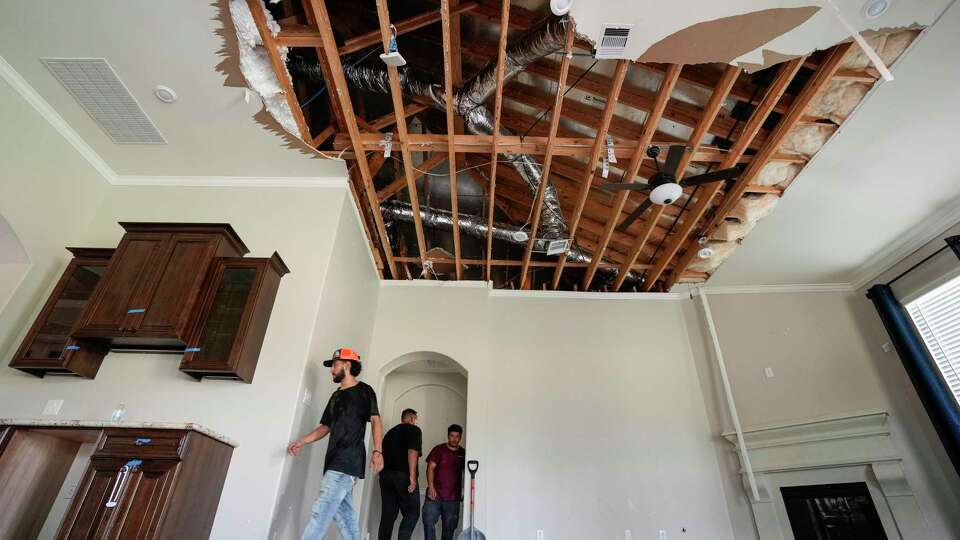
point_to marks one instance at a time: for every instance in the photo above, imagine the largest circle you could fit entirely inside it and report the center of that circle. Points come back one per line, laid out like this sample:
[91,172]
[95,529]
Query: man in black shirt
[345,419]
[398,481]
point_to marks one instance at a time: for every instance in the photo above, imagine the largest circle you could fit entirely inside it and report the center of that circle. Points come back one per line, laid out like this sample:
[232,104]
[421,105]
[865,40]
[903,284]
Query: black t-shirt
[396,442]
[347,414]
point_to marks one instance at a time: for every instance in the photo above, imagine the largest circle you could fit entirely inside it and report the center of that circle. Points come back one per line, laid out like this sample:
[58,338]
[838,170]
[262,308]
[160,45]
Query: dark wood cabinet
[226,339]
[138,484]
[181,288]
[150,288]
[131,491]
[48,347]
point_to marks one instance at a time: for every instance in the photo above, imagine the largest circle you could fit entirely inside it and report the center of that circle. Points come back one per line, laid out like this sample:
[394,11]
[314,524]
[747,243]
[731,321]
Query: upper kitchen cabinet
[149,292]
[225,342]
[48,347]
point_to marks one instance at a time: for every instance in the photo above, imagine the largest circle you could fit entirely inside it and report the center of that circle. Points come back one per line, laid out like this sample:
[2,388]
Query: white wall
[827,360]
[586,415]
[345,318]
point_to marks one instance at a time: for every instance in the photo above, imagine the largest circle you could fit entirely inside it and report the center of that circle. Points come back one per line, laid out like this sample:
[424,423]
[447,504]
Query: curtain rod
[953,242]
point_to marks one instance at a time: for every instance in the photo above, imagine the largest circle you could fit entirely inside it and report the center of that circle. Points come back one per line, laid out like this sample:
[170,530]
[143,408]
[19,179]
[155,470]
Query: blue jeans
[433,511]
[335,503]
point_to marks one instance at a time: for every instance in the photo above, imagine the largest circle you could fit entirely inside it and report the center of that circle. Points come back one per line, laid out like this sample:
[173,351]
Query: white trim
[586,295]
[917,237]
[31,96]
[434,283]
[232,181]
[787,288]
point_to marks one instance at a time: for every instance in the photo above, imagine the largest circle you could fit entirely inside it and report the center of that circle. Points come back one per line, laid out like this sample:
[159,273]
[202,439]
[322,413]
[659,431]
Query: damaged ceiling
[566,118]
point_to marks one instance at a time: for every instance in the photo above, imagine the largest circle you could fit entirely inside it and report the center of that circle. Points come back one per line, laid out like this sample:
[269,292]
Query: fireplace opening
[832,512]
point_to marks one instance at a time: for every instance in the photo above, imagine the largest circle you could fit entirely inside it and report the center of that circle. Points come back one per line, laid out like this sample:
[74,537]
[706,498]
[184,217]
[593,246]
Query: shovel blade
[471,533]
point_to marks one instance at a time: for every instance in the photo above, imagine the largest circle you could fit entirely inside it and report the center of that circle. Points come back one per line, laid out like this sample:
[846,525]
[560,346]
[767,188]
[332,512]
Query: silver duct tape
[434,218]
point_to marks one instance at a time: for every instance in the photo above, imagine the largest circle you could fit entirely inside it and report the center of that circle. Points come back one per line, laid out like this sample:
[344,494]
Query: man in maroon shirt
[444,486]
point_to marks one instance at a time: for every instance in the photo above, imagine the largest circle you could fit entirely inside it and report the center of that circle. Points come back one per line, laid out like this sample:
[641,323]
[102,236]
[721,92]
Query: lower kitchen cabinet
[138,483]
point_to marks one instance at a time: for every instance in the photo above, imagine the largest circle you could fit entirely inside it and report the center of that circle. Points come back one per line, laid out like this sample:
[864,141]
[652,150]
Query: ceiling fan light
[666,193]
[560,7]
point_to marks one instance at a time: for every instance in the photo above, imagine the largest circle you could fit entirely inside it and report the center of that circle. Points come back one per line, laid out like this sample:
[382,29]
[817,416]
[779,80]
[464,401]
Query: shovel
[472,533]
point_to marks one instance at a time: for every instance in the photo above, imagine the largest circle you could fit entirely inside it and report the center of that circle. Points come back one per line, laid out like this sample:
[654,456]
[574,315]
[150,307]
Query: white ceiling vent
[613,41]
[105,98]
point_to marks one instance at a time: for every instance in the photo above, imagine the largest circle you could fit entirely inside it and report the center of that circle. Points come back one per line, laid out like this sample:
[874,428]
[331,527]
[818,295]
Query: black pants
[395,497]
[433,511]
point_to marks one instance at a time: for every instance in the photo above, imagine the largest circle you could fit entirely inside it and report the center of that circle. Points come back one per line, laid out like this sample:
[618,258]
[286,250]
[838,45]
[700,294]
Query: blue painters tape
[137,310]
[72,348]
[134,463]
[192,349]
[142,441]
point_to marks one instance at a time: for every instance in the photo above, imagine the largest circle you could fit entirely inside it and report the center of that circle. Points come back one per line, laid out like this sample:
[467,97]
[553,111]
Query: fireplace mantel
[855,447]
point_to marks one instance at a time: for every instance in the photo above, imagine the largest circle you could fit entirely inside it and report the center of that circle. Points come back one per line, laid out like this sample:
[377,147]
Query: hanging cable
[550,108]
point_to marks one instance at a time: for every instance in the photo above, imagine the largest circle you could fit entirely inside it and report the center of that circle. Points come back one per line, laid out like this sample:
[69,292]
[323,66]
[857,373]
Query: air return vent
[105,98]
[613,41]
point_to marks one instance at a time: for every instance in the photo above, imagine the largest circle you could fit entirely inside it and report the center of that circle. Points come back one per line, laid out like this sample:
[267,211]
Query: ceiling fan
[664,187]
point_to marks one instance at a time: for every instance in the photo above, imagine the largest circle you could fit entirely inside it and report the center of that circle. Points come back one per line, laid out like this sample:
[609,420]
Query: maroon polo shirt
[448,476]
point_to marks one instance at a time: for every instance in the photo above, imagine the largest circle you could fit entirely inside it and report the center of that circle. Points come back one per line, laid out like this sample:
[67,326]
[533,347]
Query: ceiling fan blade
[674,155]
[635,215]
[635,186]
[711,177]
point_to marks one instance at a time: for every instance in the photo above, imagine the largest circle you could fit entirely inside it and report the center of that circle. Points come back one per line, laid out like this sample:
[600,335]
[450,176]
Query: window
[937,317]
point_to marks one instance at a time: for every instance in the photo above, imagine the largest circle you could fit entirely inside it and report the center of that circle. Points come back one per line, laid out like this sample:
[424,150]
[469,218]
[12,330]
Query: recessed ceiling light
[165,94]
[560,7]
[875,8]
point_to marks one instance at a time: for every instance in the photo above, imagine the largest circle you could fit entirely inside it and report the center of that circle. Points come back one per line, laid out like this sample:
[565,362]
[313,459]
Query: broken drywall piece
[724,39]
[657,21]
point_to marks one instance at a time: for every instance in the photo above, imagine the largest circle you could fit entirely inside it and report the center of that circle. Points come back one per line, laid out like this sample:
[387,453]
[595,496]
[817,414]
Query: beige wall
[586,415]
[827,358]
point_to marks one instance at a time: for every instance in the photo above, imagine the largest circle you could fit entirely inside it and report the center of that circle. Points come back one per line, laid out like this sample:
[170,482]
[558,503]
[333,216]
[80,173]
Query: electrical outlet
[768,372]
[307,396]
[886,347]
[627,535]
[663,534]
[53,407]
[539,534]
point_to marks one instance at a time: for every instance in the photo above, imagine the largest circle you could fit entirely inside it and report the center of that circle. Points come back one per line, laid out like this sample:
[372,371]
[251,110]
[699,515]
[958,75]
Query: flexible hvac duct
[546,38]
[435,218]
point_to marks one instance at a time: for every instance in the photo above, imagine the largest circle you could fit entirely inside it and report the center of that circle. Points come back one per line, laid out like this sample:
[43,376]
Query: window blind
[936,315]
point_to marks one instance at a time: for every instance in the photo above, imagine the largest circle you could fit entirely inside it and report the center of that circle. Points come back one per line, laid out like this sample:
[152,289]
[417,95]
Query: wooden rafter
[564,146]
[711,110]
[821,77]
[786,73]
[451,130]
[338,85]
[400,181]
[397,97]
[308,36]
[548,157]
[620,73]
[649,128]
[497,106]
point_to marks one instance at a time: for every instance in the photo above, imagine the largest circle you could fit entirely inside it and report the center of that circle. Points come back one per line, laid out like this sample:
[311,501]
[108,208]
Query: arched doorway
[435,386]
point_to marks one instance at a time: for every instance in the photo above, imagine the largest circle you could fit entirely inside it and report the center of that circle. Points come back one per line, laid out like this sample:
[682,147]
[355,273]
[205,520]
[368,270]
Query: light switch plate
[663,534]
[627,535]
[768,372]
[71,491]
[53,407]
[540,535]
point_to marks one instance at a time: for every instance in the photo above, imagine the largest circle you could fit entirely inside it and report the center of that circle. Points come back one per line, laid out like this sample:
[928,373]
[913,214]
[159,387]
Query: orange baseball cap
[342,353]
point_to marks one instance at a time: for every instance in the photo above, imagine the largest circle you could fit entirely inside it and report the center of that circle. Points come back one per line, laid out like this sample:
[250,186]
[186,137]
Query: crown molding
[916,237]
[786,288]
[231,181]
[31,96]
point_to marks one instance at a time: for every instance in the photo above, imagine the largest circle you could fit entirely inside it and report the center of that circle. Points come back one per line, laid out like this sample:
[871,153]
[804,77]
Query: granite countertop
[52,422]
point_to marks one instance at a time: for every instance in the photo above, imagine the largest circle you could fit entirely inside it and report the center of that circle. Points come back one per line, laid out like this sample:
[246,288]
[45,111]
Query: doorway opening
[435,386]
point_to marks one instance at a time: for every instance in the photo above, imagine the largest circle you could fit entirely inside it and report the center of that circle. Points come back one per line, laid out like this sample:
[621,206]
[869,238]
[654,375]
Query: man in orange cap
[345,419]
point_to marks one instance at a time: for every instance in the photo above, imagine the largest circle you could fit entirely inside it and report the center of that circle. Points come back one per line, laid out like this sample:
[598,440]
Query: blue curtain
[933,391]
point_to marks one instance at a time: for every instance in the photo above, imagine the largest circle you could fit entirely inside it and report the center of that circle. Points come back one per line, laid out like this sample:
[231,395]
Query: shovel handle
[472,466]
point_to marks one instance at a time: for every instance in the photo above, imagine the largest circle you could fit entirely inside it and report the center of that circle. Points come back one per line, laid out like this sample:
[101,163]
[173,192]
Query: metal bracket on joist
[387,144]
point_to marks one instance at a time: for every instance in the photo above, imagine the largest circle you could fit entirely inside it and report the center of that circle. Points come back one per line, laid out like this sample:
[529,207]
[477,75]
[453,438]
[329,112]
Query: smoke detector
[665,194]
